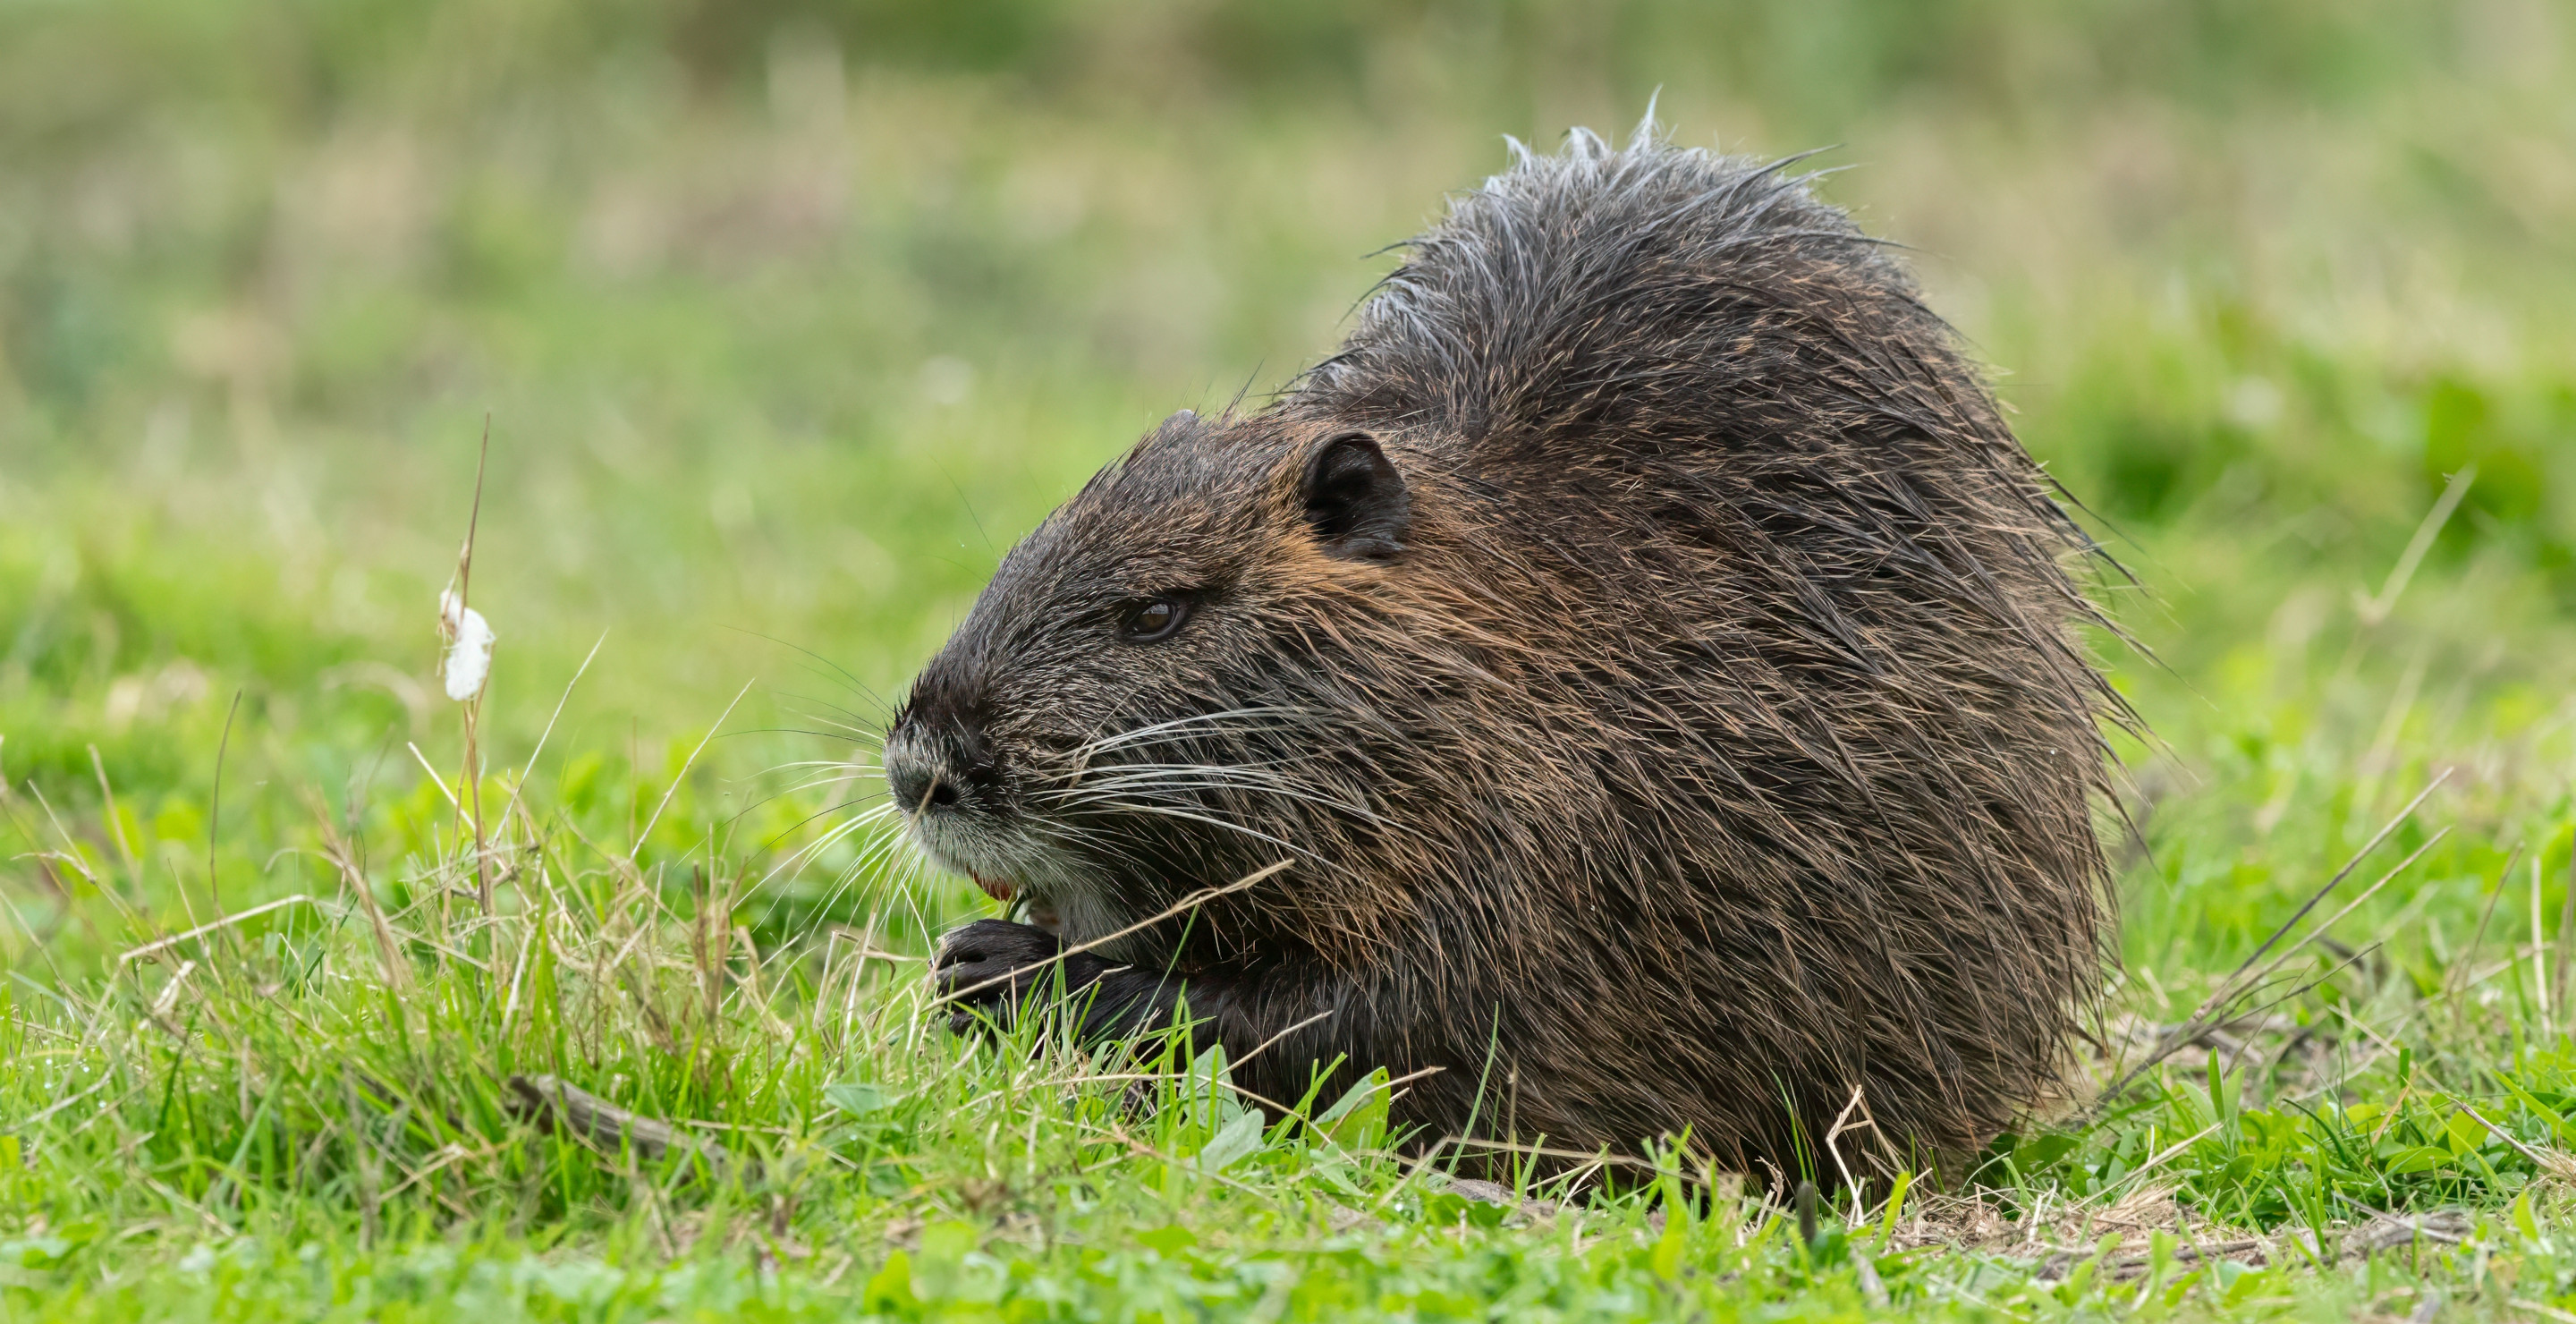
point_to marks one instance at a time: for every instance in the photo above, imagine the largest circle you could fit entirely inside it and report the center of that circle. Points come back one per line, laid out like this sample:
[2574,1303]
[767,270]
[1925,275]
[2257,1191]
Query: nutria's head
[1133,709]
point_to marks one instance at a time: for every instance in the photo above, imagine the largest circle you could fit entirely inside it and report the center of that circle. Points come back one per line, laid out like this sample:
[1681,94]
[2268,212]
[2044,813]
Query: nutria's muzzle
[949,790]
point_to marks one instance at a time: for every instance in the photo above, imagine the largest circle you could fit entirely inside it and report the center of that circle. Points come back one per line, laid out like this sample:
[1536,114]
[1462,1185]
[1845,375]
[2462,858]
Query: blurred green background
[788,317]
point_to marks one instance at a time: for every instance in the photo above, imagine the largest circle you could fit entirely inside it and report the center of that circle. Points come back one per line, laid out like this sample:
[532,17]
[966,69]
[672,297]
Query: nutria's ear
[1355,500]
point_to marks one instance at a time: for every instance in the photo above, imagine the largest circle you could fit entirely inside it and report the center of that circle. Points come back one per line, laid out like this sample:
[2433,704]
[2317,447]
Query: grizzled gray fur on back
[1647,646]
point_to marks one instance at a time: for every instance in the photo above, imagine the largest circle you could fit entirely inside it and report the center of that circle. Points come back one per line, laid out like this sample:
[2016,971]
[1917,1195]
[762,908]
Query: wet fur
[1712,737]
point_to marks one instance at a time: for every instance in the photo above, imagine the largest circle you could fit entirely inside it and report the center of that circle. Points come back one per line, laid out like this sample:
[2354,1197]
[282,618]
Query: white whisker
[1124,738]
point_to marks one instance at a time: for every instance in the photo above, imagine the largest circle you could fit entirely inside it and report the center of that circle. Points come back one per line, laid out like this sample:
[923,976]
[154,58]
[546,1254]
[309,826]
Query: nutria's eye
[1153,619]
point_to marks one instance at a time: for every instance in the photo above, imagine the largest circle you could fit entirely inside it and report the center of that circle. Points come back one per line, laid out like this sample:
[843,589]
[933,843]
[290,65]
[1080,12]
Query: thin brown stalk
[2566,940]
[202,930]
[2539,956]
[2350,906]
[70,857]
[115,821]
[342,854]
[436,778]
[474,705]
[1264,1045]
[472,776]
[551,718]
[2469,958]
[370,1172]
[2236,986]
[1545,1151]
[674,788]
[215,804]
[2340,874]
[519,963]
[757,996]
[2375,609]
[2545,1162]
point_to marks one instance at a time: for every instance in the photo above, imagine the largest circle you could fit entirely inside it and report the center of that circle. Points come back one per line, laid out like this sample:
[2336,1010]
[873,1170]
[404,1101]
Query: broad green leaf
[1168,1240]
[1359,1118]
[1239,1138]
[858,1098]
[891,1286]
[2417,1158]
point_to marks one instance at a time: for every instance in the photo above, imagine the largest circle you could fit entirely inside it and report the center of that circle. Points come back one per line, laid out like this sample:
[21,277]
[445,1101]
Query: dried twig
[151,948]
[1840,1125]
[563,1108]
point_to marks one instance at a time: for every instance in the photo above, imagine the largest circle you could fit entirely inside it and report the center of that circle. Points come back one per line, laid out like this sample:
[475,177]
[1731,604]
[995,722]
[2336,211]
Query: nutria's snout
[938,754]
[945,779]
[922,771]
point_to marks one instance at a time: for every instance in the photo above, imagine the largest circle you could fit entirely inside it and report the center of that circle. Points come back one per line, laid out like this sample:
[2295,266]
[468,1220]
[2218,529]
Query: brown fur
[1652,650]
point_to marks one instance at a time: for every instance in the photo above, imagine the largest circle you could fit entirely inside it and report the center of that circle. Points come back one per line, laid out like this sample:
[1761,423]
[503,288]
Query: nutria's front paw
[991,966]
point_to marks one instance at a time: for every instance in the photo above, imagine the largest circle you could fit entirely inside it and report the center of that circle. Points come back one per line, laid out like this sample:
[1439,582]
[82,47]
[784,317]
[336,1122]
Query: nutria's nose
[917,784]
[928,769]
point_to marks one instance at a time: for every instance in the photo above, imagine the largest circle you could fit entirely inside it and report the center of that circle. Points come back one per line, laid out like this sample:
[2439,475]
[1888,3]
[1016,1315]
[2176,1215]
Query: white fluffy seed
[469,647]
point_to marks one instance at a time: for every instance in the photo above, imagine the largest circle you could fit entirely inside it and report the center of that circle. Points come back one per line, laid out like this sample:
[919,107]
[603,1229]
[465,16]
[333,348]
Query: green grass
[788,317]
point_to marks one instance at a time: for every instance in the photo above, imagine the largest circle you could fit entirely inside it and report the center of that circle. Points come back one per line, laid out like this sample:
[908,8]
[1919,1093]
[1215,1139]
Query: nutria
[1652,654]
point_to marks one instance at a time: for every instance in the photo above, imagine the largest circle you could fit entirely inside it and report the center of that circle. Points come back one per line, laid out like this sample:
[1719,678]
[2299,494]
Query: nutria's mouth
[1038,910]
[1035,884]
